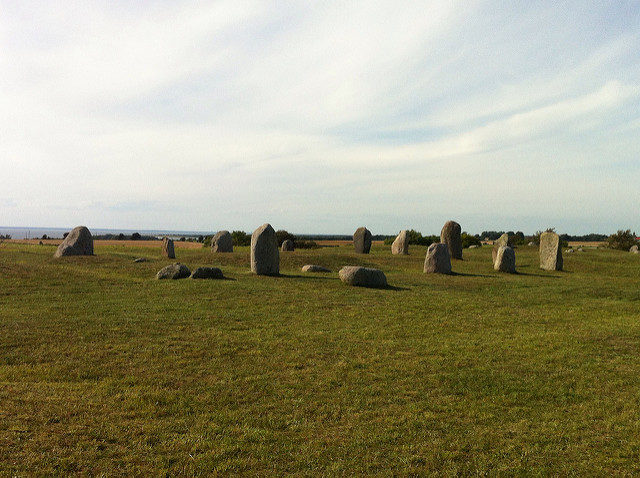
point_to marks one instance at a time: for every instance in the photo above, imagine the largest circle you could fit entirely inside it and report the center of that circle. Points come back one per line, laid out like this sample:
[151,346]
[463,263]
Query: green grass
[105,370]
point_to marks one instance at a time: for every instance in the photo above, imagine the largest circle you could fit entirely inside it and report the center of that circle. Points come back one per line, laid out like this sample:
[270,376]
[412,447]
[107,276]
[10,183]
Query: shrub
[121,237]
[240,238]
[136,236]
[470,240]
[415,238]
[283,235]
[300,244]
[622,240]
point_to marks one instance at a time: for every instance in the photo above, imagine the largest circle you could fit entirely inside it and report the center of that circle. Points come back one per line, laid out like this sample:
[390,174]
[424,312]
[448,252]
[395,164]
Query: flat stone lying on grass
[265,258]
[222,242]
[168,249]
[362,240]
[140,259]
[207,273]
[79,242]
[451,235]
[437,260]
[288,245]
[173,271]
[473,246]
[550,252]
[363,277]
[505,260]
[401,244]
[633,250]
[569,251]
[314,268]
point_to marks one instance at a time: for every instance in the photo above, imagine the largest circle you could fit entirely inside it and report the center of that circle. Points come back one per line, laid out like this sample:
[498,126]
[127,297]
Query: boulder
[401,244]
[207,273]
[362,240]
[363,276]
[550,252]
[140,259]
[168,249]
[473,246]
[531,244]
[314,268]
[569,251]
[173,271]
[265,258]
[505,260]
[222,242]
[438,259]
[451,235]
[633,250]
[288,245]
[504,240]
[79,242]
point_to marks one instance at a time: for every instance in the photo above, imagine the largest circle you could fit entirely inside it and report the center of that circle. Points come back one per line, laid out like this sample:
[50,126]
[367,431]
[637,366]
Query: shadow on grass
[324,276]
[464,274]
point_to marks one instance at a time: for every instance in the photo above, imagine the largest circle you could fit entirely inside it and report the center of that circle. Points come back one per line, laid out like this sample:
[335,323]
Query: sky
[320,117]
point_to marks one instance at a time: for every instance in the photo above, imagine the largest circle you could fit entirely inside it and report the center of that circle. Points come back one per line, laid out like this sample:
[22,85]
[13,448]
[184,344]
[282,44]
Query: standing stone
[265,258]
[451,235]
[222,242]
[550,252]
[79,242]
[438,259]
[401,244]
[362,276]
[633,250]
[505,260]
[167,248]
[504,240]
[362,240]
[288,245]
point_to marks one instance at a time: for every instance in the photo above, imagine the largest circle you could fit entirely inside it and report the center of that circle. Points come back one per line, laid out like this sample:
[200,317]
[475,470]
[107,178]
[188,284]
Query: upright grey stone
[451,235]
[362,240]
[222,242]
[401,244]
[288,245]
[79,242]
[550,252]
[438,259]
[265,258]
[168,249]
[505,260]
[363,276]
[504,240]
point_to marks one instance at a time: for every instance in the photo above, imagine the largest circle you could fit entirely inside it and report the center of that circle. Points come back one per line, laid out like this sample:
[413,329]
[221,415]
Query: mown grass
[105,370]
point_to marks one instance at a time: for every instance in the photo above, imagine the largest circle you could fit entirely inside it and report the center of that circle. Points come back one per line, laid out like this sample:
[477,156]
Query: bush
[136,236]
[300,244]
[470,240]
[283,235]
[240,238]
[622,240]
[415,238]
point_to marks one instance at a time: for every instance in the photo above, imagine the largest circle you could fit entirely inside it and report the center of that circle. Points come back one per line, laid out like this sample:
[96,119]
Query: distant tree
[491,235]
[622,240]
[136,236]
[200,238]
[121,237]
[241,238]
[183,239]
[283,235]
[470,240]
[44,236]
[64,236]
[518,238]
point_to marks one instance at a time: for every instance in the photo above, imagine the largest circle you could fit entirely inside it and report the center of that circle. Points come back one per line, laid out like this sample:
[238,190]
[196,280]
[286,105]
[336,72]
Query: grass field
[105,370]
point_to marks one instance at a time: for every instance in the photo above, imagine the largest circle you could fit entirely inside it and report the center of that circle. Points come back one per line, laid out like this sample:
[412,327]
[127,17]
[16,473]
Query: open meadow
[104,369]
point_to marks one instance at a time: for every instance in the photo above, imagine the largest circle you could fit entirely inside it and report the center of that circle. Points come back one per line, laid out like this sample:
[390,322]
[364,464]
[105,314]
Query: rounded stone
[314,268]
[173,271]
[79,242]
[363,277]
[437,259]
[222,242]
[288,245]
[451,235]
[207,273]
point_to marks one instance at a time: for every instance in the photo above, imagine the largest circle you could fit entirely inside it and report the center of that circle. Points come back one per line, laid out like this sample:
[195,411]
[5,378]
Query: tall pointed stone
[265,257]
[401,244]
[222,242]
[168,249]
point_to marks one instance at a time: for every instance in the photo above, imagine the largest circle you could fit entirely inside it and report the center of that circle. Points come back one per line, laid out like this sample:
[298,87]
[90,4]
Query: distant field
[104,370]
